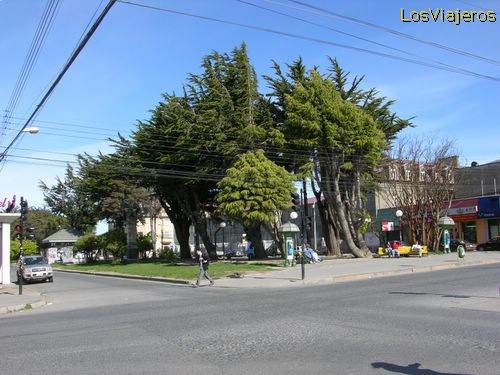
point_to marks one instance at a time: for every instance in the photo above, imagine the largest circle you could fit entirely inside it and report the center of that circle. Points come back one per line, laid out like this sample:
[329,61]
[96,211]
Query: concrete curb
[45,300]
[126,276]
[405,271]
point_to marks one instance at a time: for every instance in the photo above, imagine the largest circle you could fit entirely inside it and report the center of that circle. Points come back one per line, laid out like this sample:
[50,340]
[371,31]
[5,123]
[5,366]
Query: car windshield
[30,261]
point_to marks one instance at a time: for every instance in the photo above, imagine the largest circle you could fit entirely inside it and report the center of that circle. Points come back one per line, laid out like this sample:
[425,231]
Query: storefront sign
[488,207]
[387,226]
[461,211]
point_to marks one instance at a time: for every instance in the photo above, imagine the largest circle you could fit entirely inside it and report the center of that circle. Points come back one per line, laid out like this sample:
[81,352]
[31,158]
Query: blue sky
[137,54]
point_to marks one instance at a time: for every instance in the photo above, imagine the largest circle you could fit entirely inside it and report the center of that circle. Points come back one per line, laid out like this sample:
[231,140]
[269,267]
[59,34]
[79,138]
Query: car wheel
[50,279]
[480,248]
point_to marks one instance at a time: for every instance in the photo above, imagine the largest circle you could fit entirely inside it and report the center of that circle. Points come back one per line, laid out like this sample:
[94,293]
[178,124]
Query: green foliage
[144,242]
[169,255]
[110,182]
[29,248]
[254,190]
[88,244]
[44,222]
[318,118]
[114,242]
[66,199]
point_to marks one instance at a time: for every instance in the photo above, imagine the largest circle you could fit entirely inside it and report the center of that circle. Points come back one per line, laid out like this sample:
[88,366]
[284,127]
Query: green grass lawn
[171,270]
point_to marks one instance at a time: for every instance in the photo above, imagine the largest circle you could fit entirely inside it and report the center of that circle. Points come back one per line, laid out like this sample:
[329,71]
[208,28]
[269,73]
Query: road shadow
[461,296]
[412,369]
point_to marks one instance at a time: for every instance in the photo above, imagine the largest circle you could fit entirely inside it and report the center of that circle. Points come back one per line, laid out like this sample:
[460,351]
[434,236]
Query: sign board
[488,207]
[461,211]
[387,226]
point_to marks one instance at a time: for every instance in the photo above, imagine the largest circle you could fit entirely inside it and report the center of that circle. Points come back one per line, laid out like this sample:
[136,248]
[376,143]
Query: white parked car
[35,267]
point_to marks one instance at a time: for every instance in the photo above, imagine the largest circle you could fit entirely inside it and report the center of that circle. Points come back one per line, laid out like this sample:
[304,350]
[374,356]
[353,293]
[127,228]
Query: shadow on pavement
[412,369]
[442,295]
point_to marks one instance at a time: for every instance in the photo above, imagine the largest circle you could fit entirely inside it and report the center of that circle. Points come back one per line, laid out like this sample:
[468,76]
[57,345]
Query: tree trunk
[328,225]
[181,228]
[201,228]
[329,233]
[131,235]
[254,235]
[338,209]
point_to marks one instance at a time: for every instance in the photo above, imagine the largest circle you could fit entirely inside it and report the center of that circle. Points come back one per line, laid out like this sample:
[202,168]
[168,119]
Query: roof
[63,235]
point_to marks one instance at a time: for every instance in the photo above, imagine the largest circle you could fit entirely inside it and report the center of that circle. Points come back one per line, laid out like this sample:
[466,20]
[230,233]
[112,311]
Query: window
[469,231]
[494,228]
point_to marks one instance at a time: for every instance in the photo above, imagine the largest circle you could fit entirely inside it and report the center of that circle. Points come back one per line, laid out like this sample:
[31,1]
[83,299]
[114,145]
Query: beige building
[161,229]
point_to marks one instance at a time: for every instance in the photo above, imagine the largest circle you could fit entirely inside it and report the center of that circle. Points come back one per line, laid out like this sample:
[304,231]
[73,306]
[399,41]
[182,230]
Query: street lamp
[399,214]
[31,130]
[294,215]
[222,225]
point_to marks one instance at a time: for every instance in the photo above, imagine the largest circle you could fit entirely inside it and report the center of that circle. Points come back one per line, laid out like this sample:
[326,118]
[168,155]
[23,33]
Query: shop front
[464,214]
[489,214]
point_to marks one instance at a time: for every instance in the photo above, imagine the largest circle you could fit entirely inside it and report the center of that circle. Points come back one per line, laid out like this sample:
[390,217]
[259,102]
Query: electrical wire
[394,32]
[37,43]
[61,74]
[358,37]
[311,39]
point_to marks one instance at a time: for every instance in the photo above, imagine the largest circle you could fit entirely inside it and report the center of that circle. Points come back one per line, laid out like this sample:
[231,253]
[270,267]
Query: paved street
[448,321]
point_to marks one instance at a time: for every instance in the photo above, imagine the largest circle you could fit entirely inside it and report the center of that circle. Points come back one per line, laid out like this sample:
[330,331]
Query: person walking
[203,261]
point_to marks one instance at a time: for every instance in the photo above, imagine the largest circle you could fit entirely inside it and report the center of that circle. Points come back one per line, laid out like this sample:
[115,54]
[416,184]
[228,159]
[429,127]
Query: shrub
[144,243]
[114,242]
[88,244]
[169,255]
[29,248]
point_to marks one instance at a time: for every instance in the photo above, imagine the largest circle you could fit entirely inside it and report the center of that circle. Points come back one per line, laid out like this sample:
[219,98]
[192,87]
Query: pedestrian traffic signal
[19,231]
[295,202]
[31,233]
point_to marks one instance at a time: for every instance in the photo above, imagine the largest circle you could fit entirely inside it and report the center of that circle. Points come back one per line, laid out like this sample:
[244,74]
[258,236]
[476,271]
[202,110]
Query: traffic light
[295,202]
[19,231]
[24,207]
[30,233]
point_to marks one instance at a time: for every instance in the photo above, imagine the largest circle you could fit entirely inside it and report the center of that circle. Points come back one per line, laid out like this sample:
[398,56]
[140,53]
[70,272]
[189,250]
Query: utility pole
[20,237]
[306,220]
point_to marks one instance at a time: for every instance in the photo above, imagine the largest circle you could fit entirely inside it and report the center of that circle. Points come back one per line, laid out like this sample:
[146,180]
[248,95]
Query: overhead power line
[458,69]
[63,71]
[37,43]
[395,32]
[312,39]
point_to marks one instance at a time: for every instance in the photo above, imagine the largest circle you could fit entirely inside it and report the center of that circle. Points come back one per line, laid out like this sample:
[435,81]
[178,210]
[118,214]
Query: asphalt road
[445,322]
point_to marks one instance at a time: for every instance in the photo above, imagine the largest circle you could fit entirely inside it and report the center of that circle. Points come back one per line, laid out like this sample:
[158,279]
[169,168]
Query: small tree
[420,181]
[254,192]
[29,248]
[144,243]
[89,244]
[114,242]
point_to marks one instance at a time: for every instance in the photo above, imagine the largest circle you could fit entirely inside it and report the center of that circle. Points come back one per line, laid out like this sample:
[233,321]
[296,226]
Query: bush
[144,243]
[88,244]
[169,255]
[29,248]
[114,242]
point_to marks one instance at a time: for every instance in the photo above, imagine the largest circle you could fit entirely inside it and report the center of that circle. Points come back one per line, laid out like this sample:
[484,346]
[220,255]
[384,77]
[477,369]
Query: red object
[19,229]
[395,245]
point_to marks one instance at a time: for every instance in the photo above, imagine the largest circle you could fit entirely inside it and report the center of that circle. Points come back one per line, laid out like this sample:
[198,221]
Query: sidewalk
[11,301]
[342,270]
